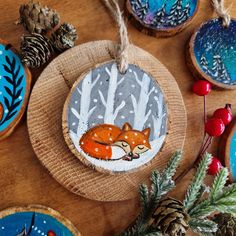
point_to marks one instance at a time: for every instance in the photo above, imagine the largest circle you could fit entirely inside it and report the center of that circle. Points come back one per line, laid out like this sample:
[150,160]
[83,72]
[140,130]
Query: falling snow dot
[0,77]
[133,86]
[76,102]
[3,227]
[95,100]
[131,112]
[156,91]
[0,93]
[101,83]
[150,105]
[1,52]
[73,123]
[130,70]
[6,111]
[149,125]
[39,231]
[36,228]
[120,94]
[100,117]
[122,117]
[20,98]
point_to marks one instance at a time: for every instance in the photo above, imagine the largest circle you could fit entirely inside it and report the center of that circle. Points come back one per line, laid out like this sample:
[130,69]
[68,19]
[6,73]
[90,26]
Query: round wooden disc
[38,219]
[161,18]
[227,149]
[45,131]
[15,80]
[115,122]
[212,53]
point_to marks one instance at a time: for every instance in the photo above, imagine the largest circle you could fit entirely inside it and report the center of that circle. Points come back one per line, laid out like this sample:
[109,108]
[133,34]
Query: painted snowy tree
[204,64]
[219,71]
[119,117]
[141,7]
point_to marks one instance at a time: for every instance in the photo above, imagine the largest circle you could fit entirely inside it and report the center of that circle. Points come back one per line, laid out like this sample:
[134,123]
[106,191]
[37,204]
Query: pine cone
[37,18]
[226,225]
[170,218]
[64,37]
[36,50]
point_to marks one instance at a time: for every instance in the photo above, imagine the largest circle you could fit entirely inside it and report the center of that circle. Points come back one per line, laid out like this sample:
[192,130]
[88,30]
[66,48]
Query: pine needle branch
[203,227]
[219,183]
[195,187]
[160,185]
[224,202]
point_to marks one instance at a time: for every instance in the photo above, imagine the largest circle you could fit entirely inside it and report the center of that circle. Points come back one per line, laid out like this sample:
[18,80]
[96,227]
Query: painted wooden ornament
[161,17]
[35,220]
[15,80]
[212,53]
[115,122]
[227,149]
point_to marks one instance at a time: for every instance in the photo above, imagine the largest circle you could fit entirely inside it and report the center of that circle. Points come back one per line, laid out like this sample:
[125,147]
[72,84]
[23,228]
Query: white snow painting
[105,96]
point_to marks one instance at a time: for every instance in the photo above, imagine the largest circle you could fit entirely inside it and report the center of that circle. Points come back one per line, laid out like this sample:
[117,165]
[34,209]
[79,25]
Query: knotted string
[122,48]
[222,12]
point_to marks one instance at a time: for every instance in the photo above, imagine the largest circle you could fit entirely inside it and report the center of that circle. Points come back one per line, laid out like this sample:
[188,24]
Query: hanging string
[122,48]
[222,12]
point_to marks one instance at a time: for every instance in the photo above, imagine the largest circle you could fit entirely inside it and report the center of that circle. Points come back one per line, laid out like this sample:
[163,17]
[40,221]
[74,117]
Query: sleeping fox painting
[102,140]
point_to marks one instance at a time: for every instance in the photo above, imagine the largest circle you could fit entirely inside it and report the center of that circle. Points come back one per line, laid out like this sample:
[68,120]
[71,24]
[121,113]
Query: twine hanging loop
[222,12]
[122,48]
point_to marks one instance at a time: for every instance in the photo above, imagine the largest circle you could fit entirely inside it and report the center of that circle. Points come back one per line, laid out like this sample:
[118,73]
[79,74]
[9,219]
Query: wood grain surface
[24,181]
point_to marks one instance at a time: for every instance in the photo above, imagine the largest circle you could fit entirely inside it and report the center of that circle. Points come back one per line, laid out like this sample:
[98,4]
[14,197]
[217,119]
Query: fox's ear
[147,132]
[126,126]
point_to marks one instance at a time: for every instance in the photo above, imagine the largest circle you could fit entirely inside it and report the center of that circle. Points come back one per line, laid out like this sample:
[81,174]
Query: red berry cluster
[215,126]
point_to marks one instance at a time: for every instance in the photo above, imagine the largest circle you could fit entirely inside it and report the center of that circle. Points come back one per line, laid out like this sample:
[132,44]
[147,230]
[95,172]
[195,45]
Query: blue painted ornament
[212,49]
[161,17]
[15,80]
[34,221]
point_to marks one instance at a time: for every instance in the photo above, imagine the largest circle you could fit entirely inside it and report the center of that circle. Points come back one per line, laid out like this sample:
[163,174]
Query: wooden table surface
[22,178]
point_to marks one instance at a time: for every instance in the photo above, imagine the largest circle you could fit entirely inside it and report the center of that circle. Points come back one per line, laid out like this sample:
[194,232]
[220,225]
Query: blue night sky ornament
[35,221]
[162,17]
[15,82]
[213,52]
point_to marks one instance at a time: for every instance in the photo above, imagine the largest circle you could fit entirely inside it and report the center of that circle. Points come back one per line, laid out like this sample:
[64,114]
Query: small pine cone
[64,37]
[36,50]
[170,218]
[226,225]
[37,18]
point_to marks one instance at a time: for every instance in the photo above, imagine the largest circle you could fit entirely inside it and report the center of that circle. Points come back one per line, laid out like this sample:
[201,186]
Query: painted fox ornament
[102,140]
[115,122]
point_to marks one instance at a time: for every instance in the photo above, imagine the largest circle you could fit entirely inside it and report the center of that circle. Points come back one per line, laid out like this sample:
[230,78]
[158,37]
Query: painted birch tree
[85,112]
[140,105]
[111,112]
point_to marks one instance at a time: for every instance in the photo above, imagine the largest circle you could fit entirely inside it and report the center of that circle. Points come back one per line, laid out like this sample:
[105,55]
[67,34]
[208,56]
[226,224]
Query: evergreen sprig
[198,209]
[203,226]
[195,186]
[161,183]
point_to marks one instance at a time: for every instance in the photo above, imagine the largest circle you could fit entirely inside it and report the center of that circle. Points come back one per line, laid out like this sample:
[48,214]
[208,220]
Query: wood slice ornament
[15,80]
[212,49]
[35,220]
[161,17]
[115,122]
[227,149]
[97,66]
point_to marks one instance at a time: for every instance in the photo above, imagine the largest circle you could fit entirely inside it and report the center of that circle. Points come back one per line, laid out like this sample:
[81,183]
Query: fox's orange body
[98,141]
